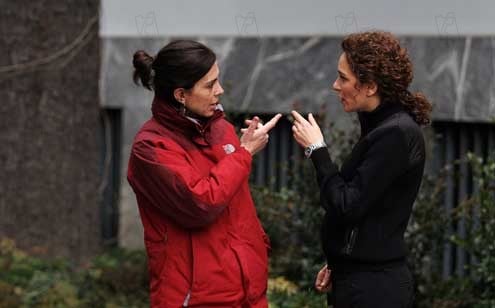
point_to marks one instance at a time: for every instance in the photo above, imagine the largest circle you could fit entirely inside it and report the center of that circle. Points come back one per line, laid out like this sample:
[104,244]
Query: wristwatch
[309,149]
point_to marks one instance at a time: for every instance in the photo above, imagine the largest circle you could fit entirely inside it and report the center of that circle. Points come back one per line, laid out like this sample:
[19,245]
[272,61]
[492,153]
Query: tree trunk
[49,127]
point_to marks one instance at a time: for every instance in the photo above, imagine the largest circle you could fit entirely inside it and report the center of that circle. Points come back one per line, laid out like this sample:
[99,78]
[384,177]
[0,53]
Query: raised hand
[306,132]
[255,137]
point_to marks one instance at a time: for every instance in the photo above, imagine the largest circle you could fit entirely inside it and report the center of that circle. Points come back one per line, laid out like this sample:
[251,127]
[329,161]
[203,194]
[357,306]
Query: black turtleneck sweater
[369,201]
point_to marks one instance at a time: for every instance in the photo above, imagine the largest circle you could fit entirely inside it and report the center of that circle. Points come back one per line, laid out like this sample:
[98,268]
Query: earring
[182,107]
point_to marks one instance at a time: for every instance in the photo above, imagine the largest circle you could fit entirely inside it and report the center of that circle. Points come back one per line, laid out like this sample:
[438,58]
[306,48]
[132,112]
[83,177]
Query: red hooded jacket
[205,244]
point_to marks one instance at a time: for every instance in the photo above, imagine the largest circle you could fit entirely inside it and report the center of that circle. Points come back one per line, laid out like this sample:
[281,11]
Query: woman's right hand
[255,137]
[323,282]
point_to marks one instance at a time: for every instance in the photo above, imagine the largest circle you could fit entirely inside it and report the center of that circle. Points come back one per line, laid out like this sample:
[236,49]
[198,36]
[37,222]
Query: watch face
[307,152]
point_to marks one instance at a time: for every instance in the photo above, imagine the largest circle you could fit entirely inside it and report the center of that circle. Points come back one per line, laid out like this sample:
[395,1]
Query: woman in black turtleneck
[368,202]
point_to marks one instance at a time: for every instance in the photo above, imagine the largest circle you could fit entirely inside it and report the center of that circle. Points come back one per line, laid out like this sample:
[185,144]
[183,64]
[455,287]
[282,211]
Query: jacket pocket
[157,258]
[254,270]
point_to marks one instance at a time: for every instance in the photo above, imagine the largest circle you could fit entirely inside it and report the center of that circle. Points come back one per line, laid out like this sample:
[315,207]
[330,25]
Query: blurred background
[69,226]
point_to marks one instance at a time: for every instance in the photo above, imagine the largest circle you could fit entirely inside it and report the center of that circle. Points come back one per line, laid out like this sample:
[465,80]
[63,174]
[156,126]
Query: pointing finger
[298,117]
[312,120]
[271,124]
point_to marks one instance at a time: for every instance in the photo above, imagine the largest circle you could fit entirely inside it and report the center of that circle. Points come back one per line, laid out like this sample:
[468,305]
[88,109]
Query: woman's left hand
[306,132]
[323,282]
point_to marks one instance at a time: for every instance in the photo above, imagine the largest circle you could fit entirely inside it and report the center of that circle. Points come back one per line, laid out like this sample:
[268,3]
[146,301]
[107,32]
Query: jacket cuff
[323,164]
[246,155]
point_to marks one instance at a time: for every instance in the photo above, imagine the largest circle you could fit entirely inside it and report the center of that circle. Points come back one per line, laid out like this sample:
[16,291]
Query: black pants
[391,287]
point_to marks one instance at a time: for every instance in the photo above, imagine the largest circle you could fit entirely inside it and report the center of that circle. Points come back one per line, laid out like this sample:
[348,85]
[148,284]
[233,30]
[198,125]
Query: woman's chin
[346,107]
[208,114]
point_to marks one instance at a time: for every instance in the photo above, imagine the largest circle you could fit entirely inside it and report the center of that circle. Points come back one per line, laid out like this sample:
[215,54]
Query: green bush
[115,279]
[425,238]
[478,213]
[428,232]
[292,223]
[285,294]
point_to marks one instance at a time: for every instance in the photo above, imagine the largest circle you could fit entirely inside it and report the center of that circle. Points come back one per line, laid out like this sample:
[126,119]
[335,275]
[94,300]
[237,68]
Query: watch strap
[312,147]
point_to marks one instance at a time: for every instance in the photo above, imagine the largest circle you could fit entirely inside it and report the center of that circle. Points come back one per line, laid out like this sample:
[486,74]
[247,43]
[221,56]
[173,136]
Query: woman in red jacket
[189,171]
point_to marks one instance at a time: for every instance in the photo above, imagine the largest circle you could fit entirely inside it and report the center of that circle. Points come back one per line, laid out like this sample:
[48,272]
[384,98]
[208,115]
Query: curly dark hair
[377,56]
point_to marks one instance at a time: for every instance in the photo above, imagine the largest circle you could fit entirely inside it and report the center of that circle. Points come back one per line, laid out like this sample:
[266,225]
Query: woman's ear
[371,88]
[180,95]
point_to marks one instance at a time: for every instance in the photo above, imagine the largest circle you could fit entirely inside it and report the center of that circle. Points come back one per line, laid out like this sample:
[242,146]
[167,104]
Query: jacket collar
[369,120]
[196,129]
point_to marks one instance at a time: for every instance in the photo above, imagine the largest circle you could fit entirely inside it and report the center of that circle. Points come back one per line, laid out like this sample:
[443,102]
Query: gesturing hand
[255,137]
[306,132]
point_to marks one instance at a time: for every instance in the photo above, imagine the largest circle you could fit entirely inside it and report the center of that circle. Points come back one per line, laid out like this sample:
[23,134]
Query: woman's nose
[219,90]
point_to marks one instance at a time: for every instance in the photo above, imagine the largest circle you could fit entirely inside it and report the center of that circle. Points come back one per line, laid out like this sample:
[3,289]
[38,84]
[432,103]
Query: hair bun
[142,63]
[141,59]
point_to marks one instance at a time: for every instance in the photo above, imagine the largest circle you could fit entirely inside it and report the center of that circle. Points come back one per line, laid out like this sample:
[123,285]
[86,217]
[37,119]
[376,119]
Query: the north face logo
[229,148]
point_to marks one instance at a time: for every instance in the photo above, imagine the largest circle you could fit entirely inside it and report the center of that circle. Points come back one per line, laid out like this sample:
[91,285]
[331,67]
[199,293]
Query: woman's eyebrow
[211,81]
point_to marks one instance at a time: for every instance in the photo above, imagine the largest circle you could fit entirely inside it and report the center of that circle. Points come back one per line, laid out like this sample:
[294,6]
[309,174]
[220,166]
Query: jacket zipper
[188,295]
[186,300]
[351,240]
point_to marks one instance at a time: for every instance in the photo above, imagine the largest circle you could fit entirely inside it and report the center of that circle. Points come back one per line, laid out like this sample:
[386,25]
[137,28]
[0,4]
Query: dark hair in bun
[142,64]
